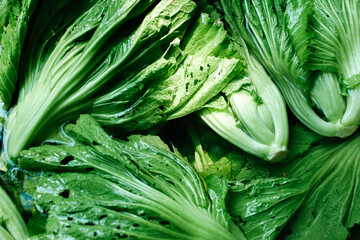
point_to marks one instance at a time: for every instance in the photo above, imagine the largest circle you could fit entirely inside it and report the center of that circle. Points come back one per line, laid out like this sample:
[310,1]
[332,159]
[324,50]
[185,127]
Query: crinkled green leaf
[301,139]
[211,63]
[297,16]
[315,195]
[192,73]
[217,187]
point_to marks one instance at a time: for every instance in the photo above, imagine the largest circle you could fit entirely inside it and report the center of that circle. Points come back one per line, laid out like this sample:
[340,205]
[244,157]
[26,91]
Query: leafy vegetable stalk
[253,119]
[336,49]
[12,225]
[251,114]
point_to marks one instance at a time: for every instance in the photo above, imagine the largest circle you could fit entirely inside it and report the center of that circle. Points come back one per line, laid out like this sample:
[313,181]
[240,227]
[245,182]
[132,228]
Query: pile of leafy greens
[96,185]
[131,64]
[99,187]
[91,87]
[313,196]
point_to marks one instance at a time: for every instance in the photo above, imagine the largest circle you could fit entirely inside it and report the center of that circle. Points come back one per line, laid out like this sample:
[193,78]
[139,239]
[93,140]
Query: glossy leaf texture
[314,196]
[100,187]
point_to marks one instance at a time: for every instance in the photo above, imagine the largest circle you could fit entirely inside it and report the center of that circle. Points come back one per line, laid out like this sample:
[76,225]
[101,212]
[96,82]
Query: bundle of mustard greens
[180,119]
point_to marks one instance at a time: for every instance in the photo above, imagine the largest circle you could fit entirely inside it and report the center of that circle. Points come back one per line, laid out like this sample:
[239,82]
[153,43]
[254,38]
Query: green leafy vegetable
[103,187]
[277,33]
[14,17]
[84,58]
[336,49]
[131,64]
[208,63]
[251,114]
[262,198]
[217,161]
